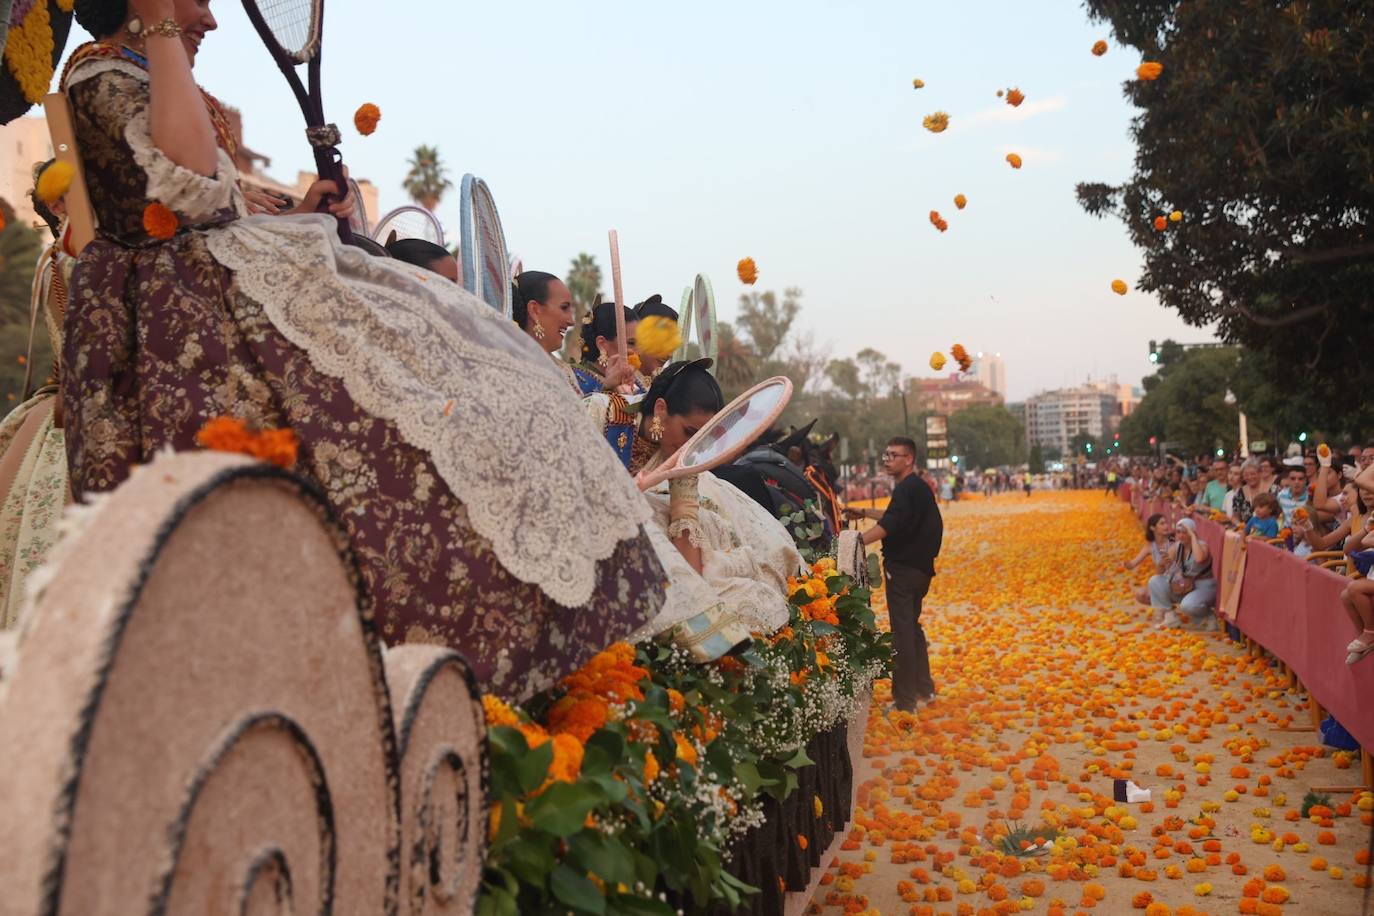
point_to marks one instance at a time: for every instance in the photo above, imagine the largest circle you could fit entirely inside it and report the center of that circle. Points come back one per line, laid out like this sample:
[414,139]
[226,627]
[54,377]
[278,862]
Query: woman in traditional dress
[653,308]
[744,554]
[430,430]
[424,253]
[600,355]
[33,450]
[542,306]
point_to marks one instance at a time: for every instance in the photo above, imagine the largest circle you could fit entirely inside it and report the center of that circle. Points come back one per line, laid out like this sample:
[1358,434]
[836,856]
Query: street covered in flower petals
[998,796]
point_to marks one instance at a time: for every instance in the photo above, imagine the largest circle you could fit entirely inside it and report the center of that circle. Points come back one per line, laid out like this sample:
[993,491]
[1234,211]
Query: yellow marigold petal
[55,181]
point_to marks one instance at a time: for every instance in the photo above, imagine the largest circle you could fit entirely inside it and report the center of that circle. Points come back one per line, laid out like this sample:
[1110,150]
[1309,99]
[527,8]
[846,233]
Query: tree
[735,361]
[19,250]
[584,281]
[1185,405]
[427,179]
[986,435]
[1258,133]
[843,375]
[765,321]
[1036,461]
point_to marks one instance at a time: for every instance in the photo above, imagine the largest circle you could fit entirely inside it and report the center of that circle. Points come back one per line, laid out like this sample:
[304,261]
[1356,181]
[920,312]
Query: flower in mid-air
[1119,287]
[366,117]
[935,123]
[160,222]
[1149,70]
[657,336]
[918,84]
[960,201]
[1099,48]
[1015,97]
[937,221]
[1014,159]
[937,360]
[747,271]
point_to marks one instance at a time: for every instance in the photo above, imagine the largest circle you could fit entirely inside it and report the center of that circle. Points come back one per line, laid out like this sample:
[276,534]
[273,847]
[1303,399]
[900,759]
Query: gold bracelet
[167,28]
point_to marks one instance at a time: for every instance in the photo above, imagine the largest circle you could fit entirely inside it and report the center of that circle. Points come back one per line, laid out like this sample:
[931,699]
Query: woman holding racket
[420,412]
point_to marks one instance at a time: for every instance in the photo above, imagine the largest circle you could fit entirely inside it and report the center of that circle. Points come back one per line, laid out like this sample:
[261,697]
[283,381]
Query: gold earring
[538,331]
[602,360]
[135,26]
[656,429]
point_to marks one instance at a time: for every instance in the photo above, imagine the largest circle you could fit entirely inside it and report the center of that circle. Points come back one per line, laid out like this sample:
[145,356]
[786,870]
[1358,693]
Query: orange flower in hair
[366,117]
[1149,71]
[160,222]
[747,271]
[1161,224]
[1099,48]
[1014,159]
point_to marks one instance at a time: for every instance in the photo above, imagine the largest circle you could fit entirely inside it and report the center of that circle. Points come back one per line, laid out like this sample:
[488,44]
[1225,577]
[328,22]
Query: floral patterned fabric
[163,336]
[32,507]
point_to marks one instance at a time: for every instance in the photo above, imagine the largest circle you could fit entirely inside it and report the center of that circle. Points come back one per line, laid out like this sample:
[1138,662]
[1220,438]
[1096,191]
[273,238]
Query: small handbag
[1181,584]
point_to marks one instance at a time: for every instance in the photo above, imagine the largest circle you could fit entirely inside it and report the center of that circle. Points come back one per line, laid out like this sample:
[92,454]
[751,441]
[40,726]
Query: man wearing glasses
[911,531]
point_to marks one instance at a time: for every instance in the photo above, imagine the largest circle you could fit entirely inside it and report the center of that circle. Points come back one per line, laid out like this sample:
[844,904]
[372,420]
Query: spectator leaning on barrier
[1188,580]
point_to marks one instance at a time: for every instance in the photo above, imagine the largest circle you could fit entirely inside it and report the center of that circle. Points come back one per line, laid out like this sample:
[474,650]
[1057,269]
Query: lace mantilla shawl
[457,379]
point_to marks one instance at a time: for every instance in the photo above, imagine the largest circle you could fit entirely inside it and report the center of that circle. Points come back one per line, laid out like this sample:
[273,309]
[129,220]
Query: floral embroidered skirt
[160,340]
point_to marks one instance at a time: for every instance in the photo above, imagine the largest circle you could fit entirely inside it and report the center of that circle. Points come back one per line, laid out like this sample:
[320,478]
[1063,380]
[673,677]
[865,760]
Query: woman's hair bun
[100,17]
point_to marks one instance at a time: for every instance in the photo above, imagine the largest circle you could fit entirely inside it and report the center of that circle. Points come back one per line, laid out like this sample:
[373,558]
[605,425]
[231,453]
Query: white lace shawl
[747,554]
[457,379]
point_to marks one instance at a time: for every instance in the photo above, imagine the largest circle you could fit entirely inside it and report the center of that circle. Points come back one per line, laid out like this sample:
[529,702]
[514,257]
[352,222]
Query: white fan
[409,222]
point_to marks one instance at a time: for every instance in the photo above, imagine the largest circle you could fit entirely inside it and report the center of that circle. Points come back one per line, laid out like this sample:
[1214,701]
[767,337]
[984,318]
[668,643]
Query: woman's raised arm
[178,120]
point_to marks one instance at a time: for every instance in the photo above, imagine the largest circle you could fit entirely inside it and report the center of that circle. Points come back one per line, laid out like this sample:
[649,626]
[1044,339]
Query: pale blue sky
[788,132]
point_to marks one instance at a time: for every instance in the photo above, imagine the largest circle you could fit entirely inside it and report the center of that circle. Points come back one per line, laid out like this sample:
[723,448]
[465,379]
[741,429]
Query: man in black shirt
[911,531]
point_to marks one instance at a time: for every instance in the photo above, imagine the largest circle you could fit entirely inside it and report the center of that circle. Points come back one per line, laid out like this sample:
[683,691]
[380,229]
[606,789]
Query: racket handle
[329,164]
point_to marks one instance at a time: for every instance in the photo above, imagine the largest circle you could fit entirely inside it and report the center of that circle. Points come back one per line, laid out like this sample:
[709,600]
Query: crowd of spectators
[1315,504]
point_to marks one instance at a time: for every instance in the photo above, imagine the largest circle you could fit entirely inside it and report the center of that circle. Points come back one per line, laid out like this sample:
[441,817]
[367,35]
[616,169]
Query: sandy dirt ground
[1052,683]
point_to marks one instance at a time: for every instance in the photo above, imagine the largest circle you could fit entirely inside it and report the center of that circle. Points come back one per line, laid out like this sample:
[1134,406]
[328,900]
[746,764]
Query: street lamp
[1230,400]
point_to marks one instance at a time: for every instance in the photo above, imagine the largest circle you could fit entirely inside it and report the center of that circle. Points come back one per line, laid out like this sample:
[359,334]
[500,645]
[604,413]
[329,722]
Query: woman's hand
[618,372]
[263,202]
[319,190]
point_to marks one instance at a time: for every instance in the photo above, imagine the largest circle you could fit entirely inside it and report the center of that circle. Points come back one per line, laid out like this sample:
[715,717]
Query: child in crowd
[1263,522]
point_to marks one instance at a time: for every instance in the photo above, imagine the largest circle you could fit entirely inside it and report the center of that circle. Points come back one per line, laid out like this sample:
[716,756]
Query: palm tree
[427,179]
[584,281]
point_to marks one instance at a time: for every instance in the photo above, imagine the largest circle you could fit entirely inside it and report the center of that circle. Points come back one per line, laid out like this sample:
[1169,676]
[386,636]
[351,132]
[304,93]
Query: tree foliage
[987,435]
[427,179]
[19,250]
[1259,131]
[765,319]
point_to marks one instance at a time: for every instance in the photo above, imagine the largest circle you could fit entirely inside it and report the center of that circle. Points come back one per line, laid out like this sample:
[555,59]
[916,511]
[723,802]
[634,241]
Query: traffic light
[1089,447]
[1154,352]
[1154,440]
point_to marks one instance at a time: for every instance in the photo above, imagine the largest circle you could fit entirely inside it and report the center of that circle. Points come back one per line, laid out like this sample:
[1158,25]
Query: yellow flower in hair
[936,123]
[657,337]
[55,181]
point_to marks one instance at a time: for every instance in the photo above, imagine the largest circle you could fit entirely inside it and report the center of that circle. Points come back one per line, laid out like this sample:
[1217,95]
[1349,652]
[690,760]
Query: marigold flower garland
[641,740]
[230,434]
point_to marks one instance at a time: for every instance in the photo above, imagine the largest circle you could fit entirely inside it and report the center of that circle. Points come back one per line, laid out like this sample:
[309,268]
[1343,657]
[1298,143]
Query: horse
[783,472]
